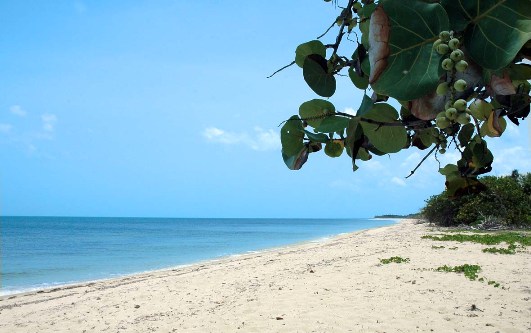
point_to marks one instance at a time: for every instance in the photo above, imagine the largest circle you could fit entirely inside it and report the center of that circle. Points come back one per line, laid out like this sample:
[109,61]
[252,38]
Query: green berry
[460,105]
[442,48]
[442,151]
[447,64]
[451,113]
[444,144]
[456,55]
[357,6]
[442,88]
[453,43]
[463,118]
[461,66]
[460,85]
[445,35]
[437,43]
[442,122]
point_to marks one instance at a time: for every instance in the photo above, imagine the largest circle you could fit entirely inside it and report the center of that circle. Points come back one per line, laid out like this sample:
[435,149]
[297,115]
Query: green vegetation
[470,271]
[485,238]
[396,260]
[456,70]
[509,250]
[507,201]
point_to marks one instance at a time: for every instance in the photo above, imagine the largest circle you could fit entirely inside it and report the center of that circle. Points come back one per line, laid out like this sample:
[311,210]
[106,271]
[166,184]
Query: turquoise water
[39,252]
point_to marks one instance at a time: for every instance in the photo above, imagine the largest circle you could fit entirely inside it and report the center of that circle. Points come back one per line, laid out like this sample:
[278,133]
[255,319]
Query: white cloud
[5,128]
[349,110]
[508,159]
[48,122]
[260,139]
[398,181]
[17,110]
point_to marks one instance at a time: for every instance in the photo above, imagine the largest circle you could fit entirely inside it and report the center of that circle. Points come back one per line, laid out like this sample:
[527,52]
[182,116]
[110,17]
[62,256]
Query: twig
[327,30]
[283,68]
[422,161]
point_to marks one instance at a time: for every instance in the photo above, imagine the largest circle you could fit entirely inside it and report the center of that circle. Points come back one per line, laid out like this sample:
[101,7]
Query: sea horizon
[41,252]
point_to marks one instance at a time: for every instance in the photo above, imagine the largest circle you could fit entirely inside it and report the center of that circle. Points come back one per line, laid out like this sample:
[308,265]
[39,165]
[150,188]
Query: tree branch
[422,161]
[283,68]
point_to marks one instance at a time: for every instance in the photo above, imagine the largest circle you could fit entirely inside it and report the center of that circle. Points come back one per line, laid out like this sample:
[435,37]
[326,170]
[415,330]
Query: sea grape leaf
[315,110]
[333,124]
[361,82]
[296,161]
[315,72]
[317,137]
[502,85]
[334,148]
[387,139]
[291,136]
[412,68]
[519,71]
[305,49]
[366,105]
[465,134]
[498,29]
[379,43]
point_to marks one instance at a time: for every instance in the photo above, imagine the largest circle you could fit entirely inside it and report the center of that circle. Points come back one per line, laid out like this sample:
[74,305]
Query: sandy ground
[334,286]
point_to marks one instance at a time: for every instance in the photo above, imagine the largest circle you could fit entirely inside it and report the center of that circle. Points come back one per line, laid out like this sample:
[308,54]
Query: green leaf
[497,30]
[291,136]
[333,124]
[334,148]
[387,139]
[366,105]
[315,111]
[449,170]
[296,161]
[367,10]
[361,82]
[317,137]
[519,71]
[413,68]
[465,134]
[305,49]
[315,72]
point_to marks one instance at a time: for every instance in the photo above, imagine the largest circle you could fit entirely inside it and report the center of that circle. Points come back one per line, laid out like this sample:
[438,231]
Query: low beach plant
[485,238]
[470,271]
[396,260]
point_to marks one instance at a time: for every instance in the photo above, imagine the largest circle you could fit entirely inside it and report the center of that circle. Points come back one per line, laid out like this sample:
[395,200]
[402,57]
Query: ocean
[41,252]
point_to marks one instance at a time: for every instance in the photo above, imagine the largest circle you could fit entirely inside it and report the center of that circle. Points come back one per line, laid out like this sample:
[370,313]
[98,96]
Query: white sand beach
[338,285]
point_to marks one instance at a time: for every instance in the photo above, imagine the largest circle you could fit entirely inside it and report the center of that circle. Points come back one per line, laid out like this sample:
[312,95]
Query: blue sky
[162,108]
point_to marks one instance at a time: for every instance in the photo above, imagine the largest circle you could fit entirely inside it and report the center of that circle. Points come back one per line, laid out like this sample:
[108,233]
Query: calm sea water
[38,252]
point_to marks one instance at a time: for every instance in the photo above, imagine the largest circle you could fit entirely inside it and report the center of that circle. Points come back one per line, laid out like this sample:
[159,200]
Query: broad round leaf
[333,124]
[315,72]
[360,82]
[315,111]
[413,68]
[387,139]
[497,30]
[291,136]
[305,49]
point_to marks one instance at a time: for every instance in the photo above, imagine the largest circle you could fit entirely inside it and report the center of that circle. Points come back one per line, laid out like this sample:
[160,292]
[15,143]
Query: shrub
[507,199]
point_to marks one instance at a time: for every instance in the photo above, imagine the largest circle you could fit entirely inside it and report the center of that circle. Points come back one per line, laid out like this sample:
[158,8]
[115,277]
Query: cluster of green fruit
[455,111]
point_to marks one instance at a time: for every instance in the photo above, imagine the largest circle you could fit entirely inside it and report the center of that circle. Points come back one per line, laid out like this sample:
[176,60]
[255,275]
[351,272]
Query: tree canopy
[457,68]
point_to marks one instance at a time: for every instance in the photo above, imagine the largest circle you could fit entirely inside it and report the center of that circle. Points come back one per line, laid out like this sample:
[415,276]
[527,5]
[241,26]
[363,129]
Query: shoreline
[332,286]
[82,283]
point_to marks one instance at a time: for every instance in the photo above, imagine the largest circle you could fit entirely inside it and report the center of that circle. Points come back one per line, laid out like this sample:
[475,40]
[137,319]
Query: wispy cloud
[5,128]
[17,110]
[48,122]
[259,139]
[398,181]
